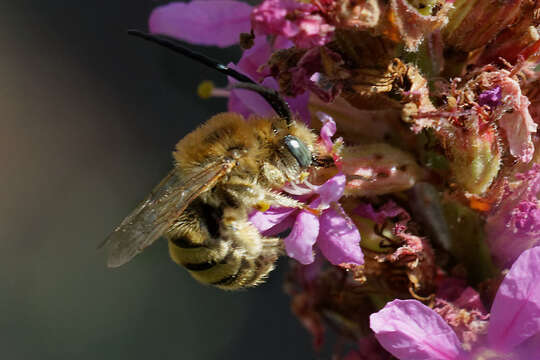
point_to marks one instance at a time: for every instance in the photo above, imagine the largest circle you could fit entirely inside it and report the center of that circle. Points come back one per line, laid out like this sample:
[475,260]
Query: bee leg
[244,235]
[261,198]
[273,243]
[277,199]
[257,196]
[273,174]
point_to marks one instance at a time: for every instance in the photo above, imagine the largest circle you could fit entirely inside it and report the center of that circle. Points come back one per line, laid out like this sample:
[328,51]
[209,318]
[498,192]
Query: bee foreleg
[277,199]
[259,197]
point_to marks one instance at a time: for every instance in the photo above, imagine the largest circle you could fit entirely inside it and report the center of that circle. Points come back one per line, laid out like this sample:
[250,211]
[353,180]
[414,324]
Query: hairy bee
[223,170]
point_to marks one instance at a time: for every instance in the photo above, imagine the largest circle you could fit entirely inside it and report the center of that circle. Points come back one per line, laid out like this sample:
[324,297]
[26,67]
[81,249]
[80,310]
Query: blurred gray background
[89,117]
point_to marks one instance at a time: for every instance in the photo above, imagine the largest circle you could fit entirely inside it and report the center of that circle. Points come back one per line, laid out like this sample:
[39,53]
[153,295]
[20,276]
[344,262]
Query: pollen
[262,206]
[303,176]
[205,89]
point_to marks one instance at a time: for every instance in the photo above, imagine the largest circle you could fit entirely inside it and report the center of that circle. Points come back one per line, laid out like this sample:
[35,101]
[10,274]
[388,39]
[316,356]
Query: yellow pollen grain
[262,206]
[205,88]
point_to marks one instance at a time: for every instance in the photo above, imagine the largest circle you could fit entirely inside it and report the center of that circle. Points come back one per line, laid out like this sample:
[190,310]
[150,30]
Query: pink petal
[211,22]
[409,330]
[253,58]
[264,221]
[247,102]
[339,239]
[515,314]
[515,224]
[327,130]
[332,190]
[282,42]
[298,104]
[529,349]
[299,107]
[299,243]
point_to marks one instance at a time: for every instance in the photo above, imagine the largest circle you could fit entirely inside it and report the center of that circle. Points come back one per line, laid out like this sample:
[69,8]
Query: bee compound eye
[299,150]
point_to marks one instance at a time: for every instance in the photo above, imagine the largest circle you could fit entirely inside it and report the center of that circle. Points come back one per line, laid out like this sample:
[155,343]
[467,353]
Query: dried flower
[473,23]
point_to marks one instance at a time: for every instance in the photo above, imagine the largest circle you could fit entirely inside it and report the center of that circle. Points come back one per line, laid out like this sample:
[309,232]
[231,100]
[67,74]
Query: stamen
[206,89]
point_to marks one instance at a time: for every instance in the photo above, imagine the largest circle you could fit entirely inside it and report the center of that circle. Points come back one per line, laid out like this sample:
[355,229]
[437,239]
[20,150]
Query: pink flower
[515,225]
[410,330]
[333,231]
[220,23]
[247,102]
[298,21]
[209,22]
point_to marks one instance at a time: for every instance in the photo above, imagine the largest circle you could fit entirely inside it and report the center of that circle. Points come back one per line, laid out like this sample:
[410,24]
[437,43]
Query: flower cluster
[421,239]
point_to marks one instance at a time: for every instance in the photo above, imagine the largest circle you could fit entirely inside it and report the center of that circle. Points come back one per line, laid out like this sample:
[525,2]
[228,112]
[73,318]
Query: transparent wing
[155,214]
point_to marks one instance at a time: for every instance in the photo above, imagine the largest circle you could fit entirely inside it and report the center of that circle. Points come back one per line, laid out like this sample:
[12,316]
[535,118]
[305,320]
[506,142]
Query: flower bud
[475,156]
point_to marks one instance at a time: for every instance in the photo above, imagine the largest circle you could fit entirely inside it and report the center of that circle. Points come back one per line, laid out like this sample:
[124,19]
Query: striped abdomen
[220,248]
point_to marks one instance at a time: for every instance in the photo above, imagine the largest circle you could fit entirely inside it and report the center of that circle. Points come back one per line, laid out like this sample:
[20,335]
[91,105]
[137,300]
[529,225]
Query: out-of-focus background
[89,117]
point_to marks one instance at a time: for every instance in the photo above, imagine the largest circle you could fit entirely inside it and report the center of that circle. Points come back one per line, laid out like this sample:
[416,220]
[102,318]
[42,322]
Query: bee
[223,170]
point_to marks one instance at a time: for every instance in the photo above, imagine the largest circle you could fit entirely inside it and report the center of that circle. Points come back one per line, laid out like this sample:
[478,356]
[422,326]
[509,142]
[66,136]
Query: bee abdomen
[251,272]
[185,242]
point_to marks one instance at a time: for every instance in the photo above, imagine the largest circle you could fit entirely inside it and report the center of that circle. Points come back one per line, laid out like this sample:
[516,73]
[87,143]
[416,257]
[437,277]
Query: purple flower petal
[515,314]
[327,130]
[253,58]
[339,239]
[295,20]
[211,22]
[491,97]
[529,349]
[515,225]
[299,243]
[299,106]
[264,221]
[332,190]
[247,102]
[409,330]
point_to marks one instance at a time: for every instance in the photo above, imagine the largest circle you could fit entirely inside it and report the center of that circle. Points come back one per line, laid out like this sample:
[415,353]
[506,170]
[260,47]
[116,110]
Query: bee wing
[155,214]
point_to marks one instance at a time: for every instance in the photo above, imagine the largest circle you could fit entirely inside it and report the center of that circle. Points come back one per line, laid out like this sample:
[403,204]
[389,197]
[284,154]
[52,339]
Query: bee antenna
[279,105]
